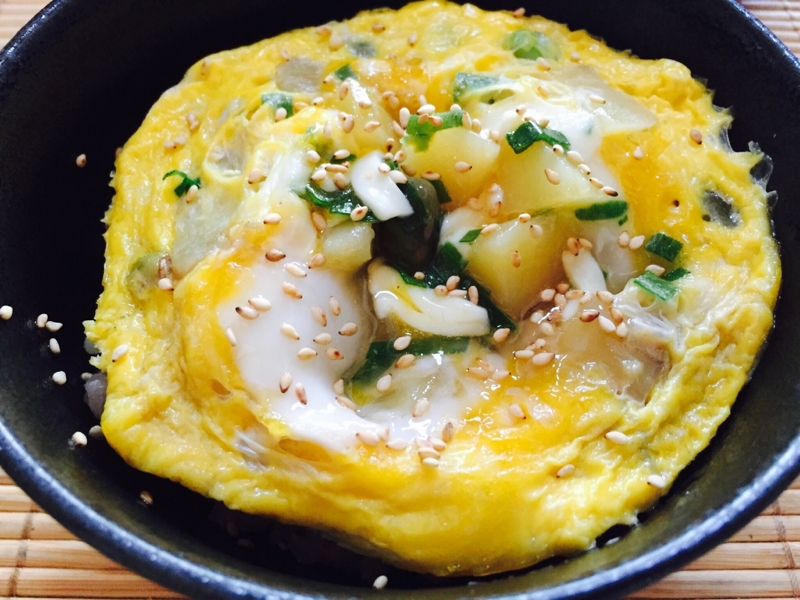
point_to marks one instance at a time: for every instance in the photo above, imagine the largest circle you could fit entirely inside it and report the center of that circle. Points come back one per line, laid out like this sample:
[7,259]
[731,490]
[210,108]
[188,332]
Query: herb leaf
[382,355]
[278,100]
[600,211]
[470,236]
[345,72]
[184,185]
[464,82]
[524,136]
[676,274]
[419,134]
[664,246]
[340,202]
[655,285]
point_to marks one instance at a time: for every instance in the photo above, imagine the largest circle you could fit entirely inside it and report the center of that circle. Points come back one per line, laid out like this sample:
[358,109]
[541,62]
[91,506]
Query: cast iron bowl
[80,78]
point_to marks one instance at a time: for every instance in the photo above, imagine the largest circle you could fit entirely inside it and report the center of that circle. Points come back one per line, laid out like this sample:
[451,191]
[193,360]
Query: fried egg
[459,289]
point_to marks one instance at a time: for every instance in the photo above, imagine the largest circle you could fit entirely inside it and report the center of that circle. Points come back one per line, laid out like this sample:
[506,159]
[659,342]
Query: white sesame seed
[323,339]
[397,444]
[348,122]
[338,386]
[489,229]
[542,63]
[281,114]
[457,293]
[523,354]
[405,361]
[547,295]
[516,411]
[295,270]
[419,275]
[596,182]
[605,296]
[368,438]
[312,156]
[590,315]
[165,284]
[348,329]
[606,324]
[516,259]
[546,328]
[306,353]
[402,342]
[6,312]
[319,315]
[41,320]
[657,481]
[96,432]
[55,348]
[597,99]
[300,392]
[285,382]
[552,176]
[339,180]
[574,57]
[79,438]
[421,408]
[59,378]
[584,169]
[319,175]
[231,336]
[565,471]
[542,358]
[622,330]
[462,167]
[431,176]
[426,109]
[289,331]
[428,453]
[518,13]
[398,177]
[256,176]
[696,136]
[81,160]
[452,282]
[119,352]
[501,335]
[345,402]
[609,191]
[334,353]
[272,219]
[617,437]
[657,269]
[500,375]
[357,214]
[637,153]
[412,39]
[260,303]
[371,126]
[291,290]
[636,242]
[384,383]
[53,326]
[275,255]
[430,462]
[404,116]
[574,157]
[247,312]
[476,125]
[316,261]
[336,308]
[623,239]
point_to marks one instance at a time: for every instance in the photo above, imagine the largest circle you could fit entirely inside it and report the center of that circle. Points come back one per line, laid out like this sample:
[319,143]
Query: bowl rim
[199,581]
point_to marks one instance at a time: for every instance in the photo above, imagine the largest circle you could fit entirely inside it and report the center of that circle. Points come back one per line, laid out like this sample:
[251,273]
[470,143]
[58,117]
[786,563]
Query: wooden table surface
[41,559]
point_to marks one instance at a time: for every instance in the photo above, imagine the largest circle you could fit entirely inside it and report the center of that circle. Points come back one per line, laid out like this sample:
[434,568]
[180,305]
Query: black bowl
[79,79]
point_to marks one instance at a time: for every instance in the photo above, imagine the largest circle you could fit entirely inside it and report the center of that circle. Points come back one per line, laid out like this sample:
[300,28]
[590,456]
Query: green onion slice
[527,134]
[600,211]
[655,285]
[664,246]
[184,185]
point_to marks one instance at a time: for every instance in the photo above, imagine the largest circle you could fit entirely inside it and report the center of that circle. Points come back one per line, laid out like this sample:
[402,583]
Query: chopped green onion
[362,48]
[340,202]
[664,246]
[470,236]
[420,134]
[382,355]
[531,45]
[278,100]
[447,262]
[348,158]
[527,134]
[411,280]
[464,82]
[345,72]
[184,185]
[623,220]
[441,191]
[655,285]
[676,274]
[600,211]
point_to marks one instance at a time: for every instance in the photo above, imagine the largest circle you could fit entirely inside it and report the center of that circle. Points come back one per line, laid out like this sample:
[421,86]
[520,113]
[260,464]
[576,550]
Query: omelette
[460,289]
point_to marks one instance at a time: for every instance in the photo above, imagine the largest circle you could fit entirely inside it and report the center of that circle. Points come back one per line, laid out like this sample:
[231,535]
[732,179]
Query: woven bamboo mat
[41,559]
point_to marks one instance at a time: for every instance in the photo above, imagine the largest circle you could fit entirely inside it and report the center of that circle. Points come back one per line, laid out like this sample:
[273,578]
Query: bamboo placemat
[41,559]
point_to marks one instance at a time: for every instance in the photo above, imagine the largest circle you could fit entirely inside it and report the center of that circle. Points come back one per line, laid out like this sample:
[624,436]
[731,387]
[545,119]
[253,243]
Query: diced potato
[516,289]
[347,246]
[449,147]
[526,189]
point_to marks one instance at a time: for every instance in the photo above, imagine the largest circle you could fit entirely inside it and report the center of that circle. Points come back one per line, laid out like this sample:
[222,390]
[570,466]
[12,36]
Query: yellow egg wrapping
[178,400]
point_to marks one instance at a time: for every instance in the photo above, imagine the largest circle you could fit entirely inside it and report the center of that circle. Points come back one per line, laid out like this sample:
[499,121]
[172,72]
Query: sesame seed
[59,378]
[295,270]
[609,191]
[552,176]
[336,308]
[369,438]
[523,354]
[516,411]
[340,180]
[272,219]
[472,292]
[657,481]
[657,269]
[412,39]
[423,442]
[404,115]
[452,282]
[565,471]
[319,221]
[500,375]
[585,243]
[590,315]
[546,328]
[501,335]
[81,160]
[291,290]
[384,383]
[323,339]
[426,109]
[400,156]
[300,392]
[574,294]
[165,283]
[371,126]
[402,342]
[537,315]
[457,293]
[398,177]
[335,42]
[54,346]
[547,295]
[558,150]
[623,239]
[319,175]
[316,261]
[574,57]
[622,331]
[119,352]
[397,444]
[637,153]
[606,324]
[334,353]
[280,114]
[429,453]
[535,230]
[462,167]
[636,242]
[519,13]
[616,315]
[478,372]
[584,169]
[466,120]
[405,361]
[256,176]
[596,182]
[430,462]
[231,336]
[306,353]
[542,358]
[348,122]
[79,438]
[516,259]
[96,432]
[285,382]
[289,331]
[436,121]
[41,320]
[348,329]
[696,136]
[476,126]
[6,312]
[345,402]
[617,437]
[431,176]
[313,157]
[338,386]
[542,63]
[597,99]
[490,229]
[53,326]
[357,214]
[275,255]
[247,312]
[543,121]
